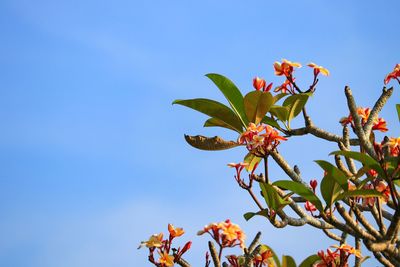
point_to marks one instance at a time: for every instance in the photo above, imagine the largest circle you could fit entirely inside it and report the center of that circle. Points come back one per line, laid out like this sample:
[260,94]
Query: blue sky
[92,153]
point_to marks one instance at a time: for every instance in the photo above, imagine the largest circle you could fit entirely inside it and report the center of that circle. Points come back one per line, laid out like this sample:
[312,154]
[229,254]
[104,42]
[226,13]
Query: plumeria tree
[356,201]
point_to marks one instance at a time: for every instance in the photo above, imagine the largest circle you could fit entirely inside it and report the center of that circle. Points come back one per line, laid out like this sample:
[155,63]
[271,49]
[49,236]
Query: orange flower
[231,232]
[394,146]
[384,189]
[364,114]
[155,241]
[175,232]
[346,120]
[258,142]
[226,234]
[167,260]
[348,249]
[318,69]
[395,74]
[259,83]
[380,125]
[285,68]
[264,257]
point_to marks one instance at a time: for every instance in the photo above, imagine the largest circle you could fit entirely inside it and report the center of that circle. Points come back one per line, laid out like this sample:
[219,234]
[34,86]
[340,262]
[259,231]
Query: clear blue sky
[92,155]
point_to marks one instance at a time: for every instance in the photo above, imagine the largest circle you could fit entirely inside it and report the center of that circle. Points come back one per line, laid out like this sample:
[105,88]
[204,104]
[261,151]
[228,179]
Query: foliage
[357,196]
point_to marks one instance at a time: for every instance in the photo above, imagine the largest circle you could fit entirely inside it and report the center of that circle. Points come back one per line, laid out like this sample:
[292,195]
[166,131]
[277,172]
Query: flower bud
[258,83]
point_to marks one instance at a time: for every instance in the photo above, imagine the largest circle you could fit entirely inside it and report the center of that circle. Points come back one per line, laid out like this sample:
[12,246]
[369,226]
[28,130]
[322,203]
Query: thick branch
[357,123]
[353,224]
[331,235]
[386,93]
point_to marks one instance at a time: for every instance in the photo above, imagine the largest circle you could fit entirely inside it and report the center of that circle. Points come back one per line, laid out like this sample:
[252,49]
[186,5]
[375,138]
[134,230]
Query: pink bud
[313,184]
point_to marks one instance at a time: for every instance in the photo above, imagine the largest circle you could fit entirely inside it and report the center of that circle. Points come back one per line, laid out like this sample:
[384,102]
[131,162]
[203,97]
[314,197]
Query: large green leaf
[310,260]
[288,261]
[231,93]
[279,97]
[272,198]
[301,190]
[330,190]
[252,160]
[360,193]
[209,143]
[214,122]
[335,173]
[295,103]
[257,104]
[365,159]
[398,110]
[213,109]
[280,112]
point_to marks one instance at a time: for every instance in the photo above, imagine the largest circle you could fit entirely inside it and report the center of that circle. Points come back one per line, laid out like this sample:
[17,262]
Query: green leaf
[231,93]
[360,193]
[279,97]
[272,198]
[214,122]
[335,173]
[301,190]
[274,256]
[365,159]
[270,121]
[398,110]
[288,261]
[257,104]
[280,112]
[248,215]
[213,109]
[209,143]
[295,103]
[310,260]
[252,160]
[330,190]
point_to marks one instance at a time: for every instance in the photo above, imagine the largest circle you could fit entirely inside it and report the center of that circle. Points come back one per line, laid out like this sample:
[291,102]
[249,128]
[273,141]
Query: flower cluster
[338,257]
[395,74]
[378,123]
[226,234]
[261,139]
[286,68]
[164,247]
